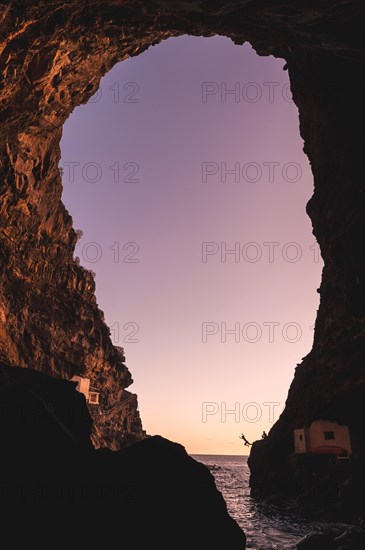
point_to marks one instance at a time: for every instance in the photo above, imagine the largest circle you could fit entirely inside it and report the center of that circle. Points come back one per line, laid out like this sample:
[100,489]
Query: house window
[94,397]
[329,435]
[300,437]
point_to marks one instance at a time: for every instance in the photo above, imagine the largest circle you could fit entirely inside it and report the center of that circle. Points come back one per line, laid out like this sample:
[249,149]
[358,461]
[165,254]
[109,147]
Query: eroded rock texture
[52,57]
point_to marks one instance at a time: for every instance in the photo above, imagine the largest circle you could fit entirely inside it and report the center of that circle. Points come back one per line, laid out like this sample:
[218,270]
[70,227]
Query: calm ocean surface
[265,529]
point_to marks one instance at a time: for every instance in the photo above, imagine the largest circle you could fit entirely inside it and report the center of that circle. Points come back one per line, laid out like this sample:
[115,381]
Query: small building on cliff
[323,437]
[83,386]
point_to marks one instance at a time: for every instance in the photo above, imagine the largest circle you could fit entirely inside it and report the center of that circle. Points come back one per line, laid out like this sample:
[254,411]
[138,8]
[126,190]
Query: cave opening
[186,177]
[52,59]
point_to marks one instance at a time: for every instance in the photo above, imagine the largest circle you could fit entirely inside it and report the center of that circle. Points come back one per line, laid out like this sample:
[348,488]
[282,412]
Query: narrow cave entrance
[185,173]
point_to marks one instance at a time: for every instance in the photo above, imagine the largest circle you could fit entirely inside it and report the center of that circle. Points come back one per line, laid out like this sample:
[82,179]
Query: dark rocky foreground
[334,540]
[319,487]
[53,55]
[57,491]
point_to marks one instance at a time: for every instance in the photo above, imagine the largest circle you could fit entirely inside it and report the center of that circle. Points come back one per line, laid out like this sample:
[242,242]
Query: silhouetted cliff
[62,493]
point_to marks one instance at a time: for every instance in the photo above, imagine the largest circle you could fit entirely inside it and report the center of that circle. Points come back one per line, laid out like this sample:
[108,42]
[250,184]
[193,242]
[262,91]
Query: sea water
[266,527]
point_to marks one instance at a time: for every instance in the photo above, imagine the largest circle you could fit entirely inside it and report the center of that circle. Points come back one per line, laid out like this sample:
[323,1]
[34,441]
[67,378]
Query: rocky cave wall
[52,57]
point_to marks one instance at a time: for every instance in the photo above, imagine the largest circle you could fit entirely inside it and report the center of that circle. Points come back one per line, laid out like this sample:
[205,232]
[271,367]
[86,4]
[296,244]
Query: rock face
[334,540]
[65,494]
[52,58]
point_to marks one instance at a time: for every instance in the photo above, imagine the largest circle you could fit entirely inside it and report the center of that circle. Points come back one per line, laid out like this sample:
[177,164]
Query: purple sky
[153,123]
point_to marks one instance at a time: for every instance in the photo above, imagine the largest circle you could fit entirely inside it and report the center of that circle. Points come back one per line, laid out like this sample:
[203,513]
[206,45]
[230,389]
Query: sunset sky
[187,152]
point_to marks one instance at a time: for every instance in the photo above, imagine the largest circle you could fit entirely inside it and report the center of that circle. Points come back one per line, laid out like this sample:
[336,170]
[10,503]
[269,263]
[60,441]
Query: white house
[83,386]
[323,437]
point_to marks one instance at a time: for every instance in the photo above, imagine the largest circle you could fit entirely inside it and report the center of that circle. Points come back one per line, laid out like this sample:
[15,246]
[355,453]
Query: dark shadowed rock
[335,540]
[57,491]
[317,541]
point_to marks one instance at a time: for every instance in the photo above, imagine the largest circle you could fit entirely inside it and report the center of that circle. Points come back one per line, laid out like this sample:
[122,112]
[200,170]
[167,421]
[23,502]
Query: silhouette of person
[247,444]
